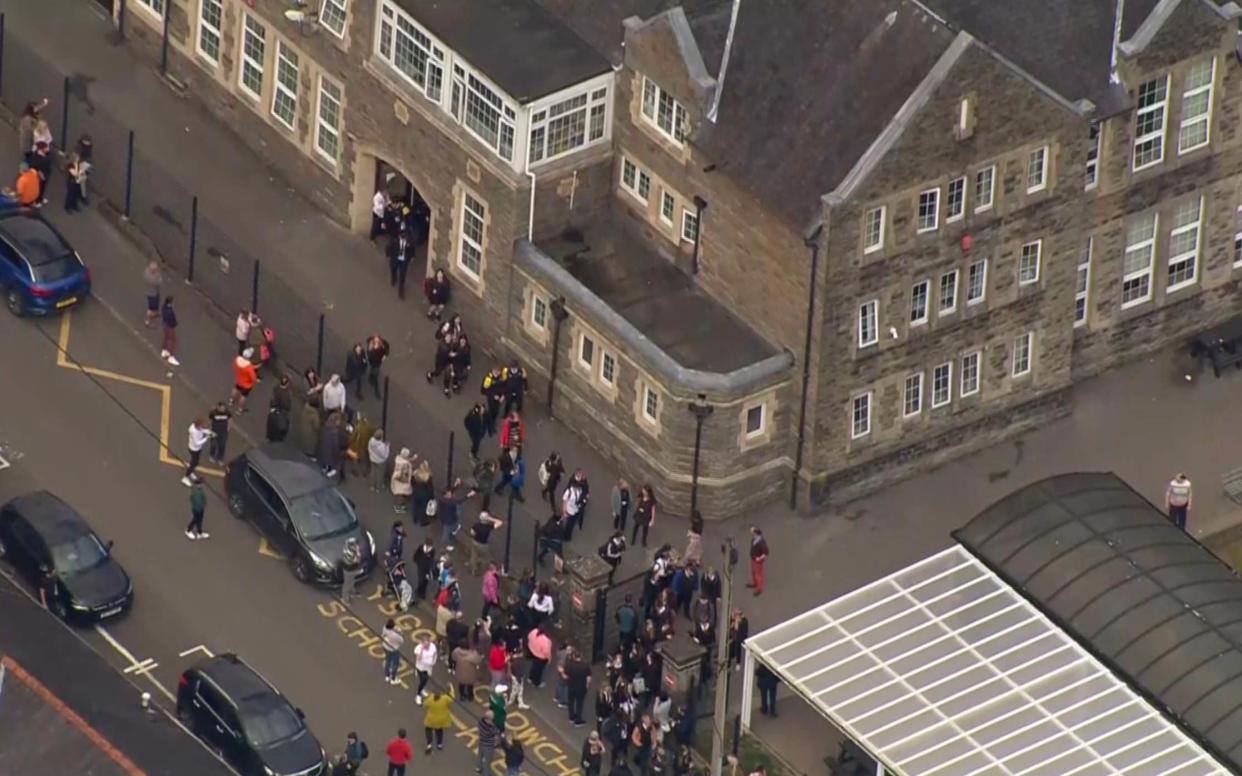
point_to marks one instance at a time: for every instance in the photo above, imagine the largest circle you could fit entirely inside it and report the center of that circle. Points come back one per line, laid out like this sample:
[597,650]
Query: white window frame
[1082,288]
[689,225]
[860,424]
[206,28]
[340,7]
[947,398]
[1028,262]
[586,355]
[942,308]
[983,284]
[280,90]
[668,203]
[1095,137]
[1205,117]
[653,100]
[918,318]
[150,7]
[1191,255]
[873,238]
[649,394]
[245,60]
[322,128]
[934,199]
[972,367]
[1155,137]
[393,21]
[471,88]
[537,304]
[545,119]
[913,388]
[1148,245]
[950,214]
[640,175]
[465,240]
[604,358]
[1037,170]
[763,421]
[1023,354]
[868,318]
[984,203]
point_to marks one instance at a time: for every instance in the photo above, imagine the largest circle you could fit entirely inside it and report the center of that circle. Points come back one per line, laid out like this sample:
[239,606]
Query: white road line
[141,668]
[118,646]
[200,648]
[136,666]
[3,463]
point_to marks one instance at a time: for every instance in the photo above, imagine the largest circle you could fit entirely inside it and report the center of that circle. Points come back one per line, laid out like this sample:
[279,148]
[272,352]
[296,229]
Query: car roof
[237,679]
[52,518]
[288,470]
[37,240]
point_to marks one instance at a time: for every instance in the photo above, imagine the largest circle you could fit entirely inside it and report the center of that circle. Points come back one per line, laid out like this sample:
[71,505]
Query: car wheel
[237,505]
[15,303]
[57,608]
[184,716]
[301,570]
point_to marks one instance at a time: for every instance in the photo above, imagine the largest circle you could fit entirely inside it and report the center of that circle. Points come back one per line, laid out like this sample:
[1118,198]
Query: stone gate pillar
[587,575]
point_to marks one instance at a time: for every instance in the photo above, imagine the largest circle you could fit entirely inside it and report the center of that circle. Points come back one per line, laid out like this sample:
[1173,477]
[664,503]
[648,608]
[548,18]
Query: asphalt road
[94,440]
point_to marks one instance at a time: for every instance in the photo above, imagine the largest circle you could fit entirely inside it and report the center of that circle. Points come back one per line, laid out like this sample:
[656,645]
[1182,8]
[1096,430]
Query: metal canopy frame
[943,669]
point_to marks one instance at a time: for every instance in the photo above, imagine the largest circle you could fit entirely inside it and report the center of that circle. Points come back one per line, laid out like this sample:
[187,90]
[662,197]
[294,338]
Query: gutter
[812,241]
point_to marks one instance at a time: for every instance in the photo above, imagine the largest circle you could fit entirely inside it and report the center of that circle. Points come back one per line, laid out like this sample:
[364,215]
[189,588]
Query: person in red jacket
[400,753]
[513,431]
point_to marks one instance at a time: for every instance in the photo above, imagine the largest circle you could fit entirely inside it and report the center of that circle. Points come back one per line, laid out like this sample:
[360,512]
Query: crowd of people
[37,150]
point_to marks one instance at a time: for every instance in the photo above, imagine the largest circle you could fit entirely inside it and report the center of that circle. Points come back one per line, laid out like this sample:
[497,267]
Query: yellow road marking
[165,391]
[266,548]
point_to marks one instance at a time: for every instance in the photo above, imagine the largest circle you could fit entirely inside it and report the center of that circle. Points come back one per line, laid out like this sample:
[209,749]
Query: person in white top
[425,654]
[541,602]
[198,436]
[334,395]
[246,321]
[379,206]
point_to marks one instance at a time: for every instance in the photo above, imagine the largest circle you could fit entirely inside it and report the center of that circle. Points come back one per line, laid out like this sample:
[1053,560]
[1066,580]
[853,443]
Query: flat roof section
[518,44]
[942,669]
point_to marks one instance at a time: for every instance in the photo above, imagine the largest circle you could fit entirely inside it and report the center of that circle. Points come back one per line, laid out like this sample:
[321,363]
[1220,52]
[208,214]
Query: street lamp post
[701,411]
[723,674]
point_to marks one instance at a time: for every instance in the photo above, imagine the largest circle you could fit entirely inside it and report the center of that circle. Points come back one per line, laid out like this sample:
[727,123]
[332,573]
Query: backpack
[363,749]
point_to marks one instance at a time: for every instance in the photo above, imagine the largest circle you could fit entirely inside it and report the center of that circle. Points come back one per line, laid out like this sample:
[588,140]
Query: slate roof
[1139,593]
[518,44]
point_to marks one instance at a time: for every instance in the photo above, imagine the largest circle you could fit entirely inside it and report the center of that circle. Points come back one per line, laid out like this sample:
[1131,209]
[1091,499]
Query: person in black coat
[377,352]
[476,427]
[424,562]
[515,388]
[768,682]
[400,252]
[355,368]
[459,366]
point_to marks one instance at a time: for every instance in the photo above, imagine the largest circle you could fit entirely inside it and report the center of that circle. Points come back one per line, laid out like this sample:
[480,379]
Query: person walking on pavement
[550,473]
[437,291]
[571,507]
[379,210]
[351,565]
[592,755]
[334,396]
[1177,498]
[539,644]
[577,679]
[612,552]
[467,663]
[400,753]
[694,539]
[219,417]
[513,430]
[377,353]
[153,279]
[437,718]
[355,368]
[739,631]
[168,316]
[76,173]
[644,513]
[198,435]
[392,640]
[493,390]
[245,377]
[620,505]
[400,251]
[333,442]
[401,483]
[246,320]
[758,557]
[447,509]
[476,428]
[356,751]
[377,455]
[488,734]
[425,654]
[515,388]
[768,682]
[198,505]
[515,755]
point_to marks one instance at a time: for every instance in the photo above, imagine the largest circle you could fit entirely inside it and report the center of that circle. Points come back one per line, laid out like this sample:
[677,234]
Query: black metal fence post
[319,358]
[504,569]
[64,117]
[384,407]
[189,277]
[254,289]
[164,42]
[1,53]
[598,647]
[129,166]
[534,548]
[448,477]
[737,733]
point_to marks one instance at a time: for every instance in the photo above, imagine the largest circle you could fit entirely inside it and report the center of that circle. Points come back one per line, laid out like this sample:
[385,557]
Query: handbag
[433,507]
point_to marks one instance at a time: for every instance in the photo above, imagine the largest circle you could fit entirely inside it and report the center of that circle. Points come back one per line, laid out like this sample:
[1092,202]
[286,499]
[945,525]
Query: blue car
[40,272]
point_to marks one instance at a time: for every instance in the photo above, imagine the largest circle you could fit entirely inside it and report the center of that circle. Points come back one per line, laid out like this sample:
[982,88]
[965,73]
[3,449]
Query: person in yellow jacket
[437,719]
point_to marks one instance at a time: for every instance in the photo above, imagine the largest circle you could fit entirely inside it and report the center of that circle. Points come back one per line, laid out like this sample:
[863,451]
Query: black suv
[40,534]
[298,509]
[240,715]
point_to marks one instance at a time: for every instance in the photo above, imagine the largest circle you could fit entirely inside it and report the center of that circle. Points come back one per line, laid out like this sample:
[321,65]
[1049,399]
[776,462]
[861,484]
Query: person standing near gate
[758,557]
[168,316]
[1177,498]
[377,352]
[400,251]
[152,278]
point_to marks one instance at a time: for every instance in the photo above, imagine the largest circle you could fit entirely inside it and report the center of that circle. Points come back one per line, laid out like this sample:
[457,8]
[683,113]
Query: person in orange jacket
[27,185]
[244,378]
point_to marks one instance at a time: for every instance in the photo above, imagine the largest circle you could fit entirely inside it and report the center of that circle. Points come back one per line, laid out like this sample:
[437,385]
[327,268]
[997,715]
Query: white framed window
[912,396]
[756,421]
[873,229]
[1093,156]
[332,15]
[663,112]
[608,369]
[668,207]
[860,416]
[929,210]
[868,323]
[210,13]
[948,292]
[586,351]
[1022,354]
[566,126]
[473,224]
[1196,127]
[985,188]
[1037,170]
[919,294]
[1028,263]
[689,225]
[1184,237]
[977,282]
[410,50]
[1082,289]
[539,313]
[285,95]
[328,120]
[970,373]
[955,200]
[484,112]
[154,6]
[1150,116]
[1139,257]
[651,404]
[635,180]
[942,385]
[253,54]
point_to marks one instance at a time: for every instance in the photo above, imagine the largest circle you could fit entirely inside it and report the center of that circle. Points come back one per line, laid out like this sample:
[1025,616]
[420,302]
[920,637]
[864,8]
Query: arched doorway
[378,174]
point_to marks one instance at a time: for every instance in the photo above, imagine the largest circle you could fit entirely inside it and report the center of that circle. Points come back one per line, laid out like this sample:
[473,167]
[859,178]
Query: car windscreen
[270,721]
[78,554]
[57,269]
[322,513]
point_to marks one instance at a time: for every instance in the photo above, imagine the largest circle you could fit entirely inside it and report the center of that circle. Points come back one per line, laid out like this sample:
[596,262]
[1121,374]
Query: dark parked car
[40,273]
[242,716]
[298,509]
[40,534]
